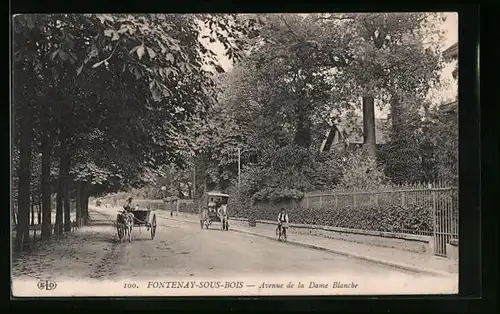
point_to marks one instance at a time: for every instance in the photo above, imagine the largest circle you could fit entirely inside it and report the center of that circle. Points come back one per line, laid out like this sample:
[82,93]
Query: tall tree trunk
[67,202]
[24,188]
[86,206]
[45,187]
[60,184]
[369,139]
[32,217]
[85,202]
[39,213]
[59,200]
[78,204]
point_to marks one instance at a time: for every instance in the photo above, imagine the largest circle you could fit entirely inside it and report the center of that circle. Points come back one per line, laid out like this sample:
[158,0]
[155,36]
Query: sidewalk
[75,255]
[382,255]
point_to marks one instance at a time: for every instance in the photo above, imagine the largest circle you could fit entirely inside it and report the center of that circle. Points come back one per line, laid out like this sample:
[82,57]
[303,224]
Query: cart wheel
[153,227]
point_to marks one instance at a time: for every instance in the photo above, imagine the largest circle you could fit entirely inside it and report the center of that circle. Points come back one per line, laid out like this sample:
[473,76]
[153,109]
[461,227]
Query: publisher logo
[46,285]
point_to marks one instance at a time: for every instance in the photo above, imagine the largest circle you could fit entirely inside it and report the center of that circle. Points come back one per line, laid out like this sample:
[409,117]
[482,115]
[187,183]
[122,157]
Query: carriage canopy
[210,202]
[215,197]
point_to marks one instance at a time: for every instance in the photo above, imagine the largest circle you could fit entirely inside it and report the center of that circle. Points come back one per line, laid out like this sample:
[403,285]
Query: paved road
[183,249]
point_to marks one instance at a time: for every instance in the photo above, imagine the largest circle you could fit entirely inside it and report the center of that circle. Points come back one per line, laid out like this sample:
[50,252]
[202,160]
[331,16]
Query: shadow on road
[99,238]
[141,239]
[101,223]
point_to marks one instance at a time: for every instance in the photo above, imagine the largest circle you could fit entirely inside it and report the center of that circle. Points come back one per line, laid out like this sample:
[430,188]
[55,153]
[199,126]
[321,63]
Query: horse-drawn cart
[211,202]
[142,218]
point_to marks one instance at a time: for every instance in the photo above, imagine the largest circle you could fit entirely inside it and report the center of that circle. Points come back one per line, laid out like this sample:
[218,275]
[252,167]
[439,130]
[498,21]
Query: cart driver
[128,204]
[211,203]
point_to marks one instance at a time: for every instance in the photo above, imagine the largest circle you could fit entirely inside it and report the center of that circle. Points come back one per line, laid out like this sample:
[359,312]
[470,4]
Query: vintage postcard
[234,154]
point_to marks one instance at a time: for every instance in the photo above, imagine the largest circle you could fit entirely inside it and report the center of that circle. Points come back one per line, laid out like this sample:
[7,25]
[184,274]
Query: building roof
[330,137]
[451,52]
[353,134]
[216,194]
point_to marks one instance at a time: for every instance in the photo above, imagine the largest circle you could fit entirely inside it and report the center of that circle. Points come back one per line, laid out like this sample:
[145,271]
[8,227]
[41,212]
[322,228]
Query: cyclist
[282,220]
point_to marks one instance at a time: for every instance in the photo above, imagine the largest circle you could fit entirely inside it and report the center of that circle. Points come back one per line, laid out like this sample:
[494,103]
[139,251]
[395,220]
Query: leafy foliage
[376,218]
[285,174]
[276,195]
[148,71]
[441,136]
[361,172]
[303,71]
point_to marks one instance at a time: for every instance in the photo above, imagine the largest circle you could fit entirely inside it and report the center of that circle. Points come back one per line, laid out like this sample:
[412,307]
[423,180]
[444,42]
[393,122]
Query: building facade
[450,55]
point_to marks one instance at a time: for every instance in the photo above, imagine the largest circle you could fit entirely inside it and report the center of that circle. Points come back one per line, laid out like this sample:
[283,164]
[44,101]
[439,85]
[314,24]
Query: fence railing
[440,199]
[430,195]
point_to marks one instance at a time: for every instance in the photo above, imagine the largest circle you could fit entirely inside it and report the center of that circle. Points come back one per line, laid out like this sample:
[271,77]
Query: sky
[450,26]
[447,92]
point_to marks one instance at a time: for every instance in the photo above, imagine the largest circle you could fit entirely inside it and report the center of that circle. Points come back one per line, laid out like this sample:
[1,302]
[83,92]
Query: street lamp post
[239,167]
[194,182]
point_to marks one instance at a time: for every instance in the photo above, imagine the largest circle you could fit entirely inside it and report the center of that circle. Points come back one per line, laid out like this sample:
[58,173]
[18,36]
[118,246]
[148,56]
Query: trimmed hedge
[188,208]
[274,194]
[377,218]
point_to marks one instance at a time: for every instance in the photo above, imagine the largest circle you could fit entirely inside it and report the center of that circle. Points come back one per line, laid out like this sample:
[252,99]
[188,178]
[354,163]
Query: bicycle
[281,232]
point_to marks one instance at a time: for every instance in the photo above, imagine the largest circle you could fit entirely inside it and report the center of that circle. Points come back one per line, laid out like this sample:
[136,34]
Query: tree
[302,71]
[23,119]
[389,58]
[157,57]
[277,96]
[287,77]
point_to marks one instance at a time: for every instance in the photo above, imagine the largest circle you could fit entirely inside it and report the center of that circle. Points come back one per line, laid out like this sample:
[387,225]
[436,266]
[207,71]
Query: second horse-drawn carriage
[213,208]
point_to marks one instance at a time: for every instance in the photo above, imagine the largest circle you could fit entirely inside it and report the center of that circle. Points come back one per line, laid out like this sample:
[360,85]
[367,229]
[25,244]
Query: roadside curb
[340,252]
[356,256]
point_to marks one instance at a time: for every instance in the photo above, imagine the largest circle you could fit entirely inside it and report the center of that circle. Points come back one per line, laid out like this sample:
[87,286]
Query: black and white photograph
[270,154]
